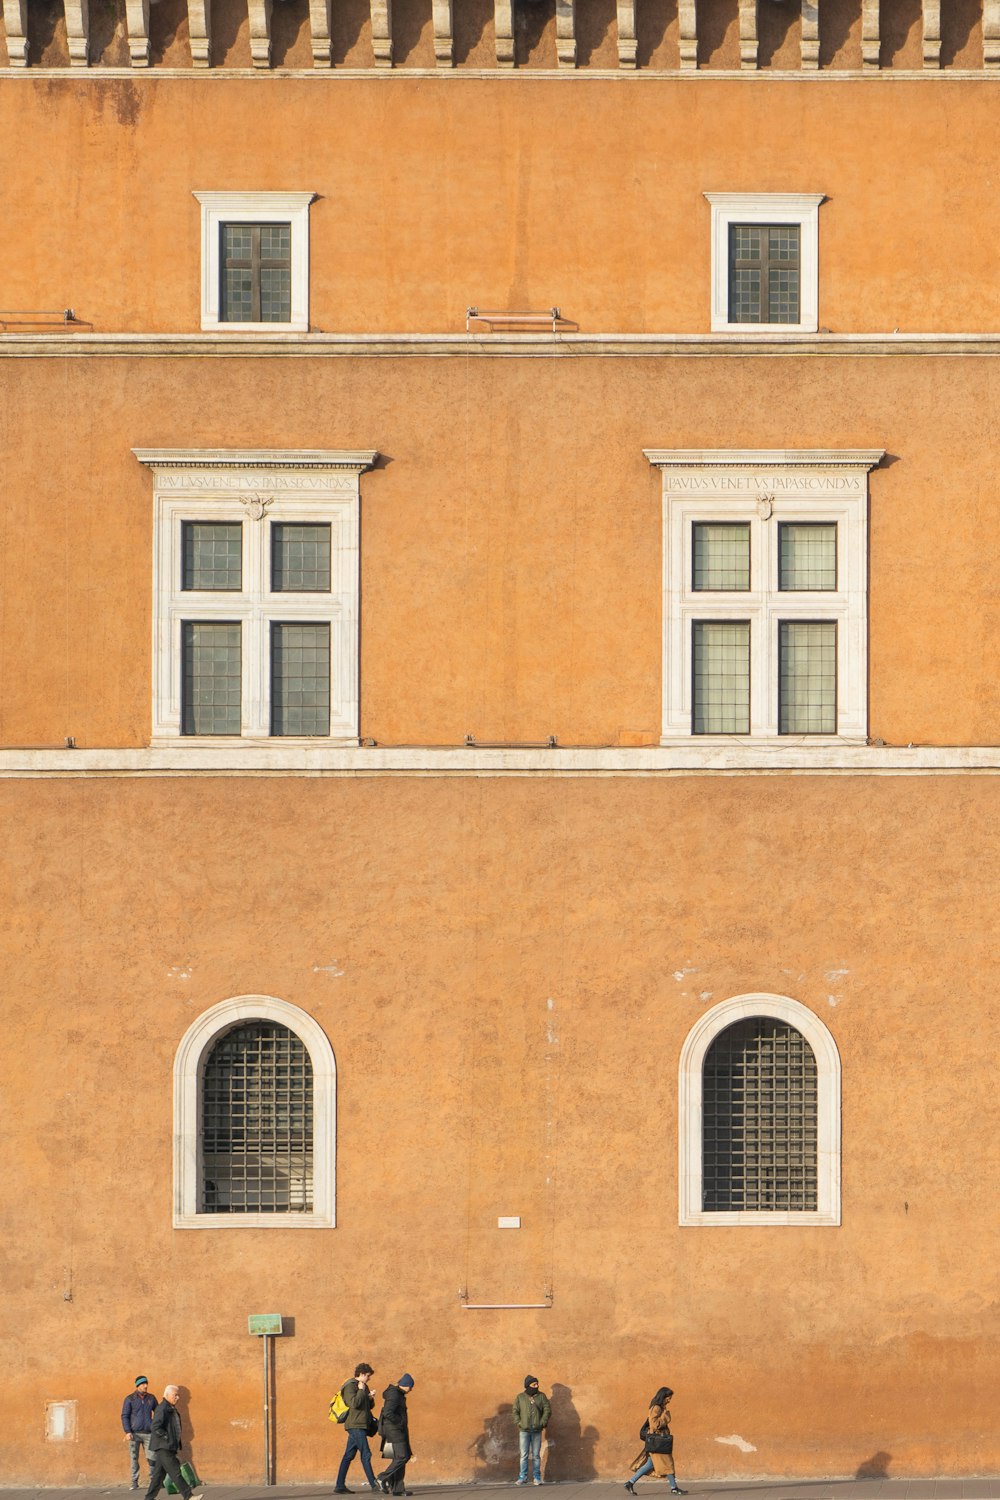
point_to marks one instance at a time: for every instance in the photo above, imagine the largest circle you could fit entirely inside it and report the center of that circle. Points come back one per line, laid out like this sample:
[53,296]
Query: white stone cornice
[355,460]
[784,757]
[764,458]
[728,345]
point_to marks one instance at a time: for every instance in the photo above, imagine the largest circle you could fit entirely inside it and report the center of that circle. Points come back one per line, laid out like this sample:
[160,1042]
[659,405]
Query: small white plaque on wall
[508,1223]
[60,1421]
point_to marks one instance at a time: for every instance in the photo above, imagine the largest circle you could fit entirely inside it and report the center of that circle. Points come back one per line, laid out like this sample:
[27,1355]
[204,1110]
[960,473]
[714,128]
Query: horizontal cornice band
[353,761]
[490,346]
[626,77]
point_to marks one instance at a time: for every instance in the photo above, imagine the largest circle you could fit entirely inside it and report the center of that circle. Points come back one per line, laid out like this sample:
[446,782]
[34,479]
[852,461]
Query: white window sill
[253,1221]
[763,1220]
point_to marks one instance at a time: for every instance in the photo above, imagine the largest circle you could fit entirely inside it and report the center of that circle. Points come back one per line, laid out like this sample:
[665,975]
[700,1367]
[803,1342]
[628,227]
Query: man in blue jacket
[137,1420]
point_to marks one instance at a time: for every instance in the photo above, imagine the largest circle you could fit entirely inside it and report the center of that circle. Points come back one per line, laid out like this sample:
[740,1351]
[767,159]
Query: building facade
[498,724]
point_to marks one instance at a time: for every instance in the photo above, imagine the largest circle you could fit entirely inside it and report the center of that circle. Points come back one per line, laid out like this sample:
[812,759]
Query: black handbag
[659,1442]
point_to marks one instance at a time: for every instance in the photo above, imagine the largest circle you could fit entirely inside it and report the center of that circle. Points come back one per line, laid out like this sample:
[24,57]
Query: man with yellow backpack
[353,1407]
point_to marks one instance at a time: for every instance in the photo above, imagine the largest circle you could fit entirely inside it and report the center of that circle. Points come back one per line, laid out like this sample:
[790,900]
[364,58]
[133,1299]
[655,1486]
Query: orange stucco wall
[511,541]
[506,971]
[516,192]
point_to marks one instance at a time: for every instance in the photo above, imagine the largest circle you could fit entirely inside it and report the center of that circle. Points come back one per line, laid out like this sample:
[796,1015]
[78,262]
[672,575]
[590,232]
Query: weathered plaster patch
[330,969]
[735,1441]
[179,971]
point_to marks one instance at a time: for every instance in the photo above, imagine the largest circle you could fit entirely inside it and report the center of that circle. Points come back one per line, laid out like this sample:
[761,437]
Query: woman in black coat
[394,1428]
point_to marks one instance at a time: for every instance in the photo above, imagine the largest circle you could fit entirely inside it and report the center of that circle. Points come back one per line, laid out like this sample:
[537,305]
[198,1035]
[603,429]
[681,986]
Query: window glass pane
[720,556]
[212,555]
[807,677]
[300,679]
[783,273]
[257,1122]
[720,660]
[255,274]
[210,677]
[759,1120]
[275,295]
[300,558]
[764,273]
[807,555]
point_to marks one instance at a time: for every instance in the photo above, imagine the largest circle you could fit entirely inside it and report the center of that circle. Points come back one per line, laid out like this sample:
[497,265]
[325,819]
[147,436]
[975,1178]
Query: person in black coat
[164,1446]
[394,1428]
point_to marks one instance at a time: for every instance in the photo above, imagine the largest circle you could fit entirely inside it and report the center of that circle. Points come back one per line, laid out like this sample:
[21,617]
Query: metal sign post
[266,1326]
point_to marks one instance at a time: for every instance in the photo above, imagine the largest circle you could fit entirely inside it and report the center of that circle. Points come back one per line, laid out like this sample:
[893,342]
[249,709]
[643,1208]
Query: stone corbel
[200,31]
[870,40]
[810,33]
[444,38]
[687,18]
[566,33]
[319,33]
[78,32]
[991,34]
[748,33]
[382,32]
[15,20]
[932,33]
[137,21]
[260,32]
[627,44]
[503,23]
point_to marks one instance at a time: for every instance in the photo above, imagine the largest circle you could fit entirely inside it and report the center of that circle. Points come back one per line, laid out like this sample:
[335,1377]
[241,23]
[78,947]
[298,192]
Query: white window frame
[764,488]
[690,1074]
[189,1069]
[218,208]
[766,208]
[256,487]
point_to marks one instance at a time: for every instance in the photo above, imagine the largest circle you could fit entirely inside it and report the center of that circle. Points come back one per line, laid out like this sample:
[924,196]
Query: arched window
[254,1102]
[759,1116]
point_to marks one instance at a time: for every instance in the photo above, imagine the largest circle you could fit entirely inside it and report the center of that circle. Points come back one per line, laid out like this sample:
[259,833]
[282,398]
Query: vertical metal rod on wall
[268,1476]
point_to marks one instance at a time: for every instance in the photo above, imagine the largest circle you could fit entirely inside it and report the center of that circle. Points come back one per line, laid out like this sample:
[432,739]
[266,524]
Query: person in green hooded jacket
[532,1410]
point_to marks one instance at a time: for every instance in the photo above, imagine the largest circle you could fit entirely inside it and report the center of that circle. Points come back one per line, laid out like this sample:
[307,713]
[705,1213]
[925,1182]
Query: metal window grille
[300,679]
[255,269]
[211,677]
[759,1120]
[212,553]
[764,273]
[720,671]
[807,677]
[720,556]
[807,555]
[257,1122]
[300,558]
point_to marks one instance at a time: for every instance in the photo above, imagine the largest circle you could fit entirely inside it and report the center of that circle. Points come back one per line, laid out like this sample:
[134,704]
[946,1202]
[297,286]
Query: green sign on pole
[269,1323]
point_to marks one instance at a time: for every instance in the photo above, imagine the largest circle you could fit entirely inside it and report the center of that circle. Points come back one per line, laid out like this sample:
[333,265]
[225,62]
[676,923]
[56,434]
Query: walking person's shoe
[520,1481]
[344,1491]
[630,1486]
[675,1489]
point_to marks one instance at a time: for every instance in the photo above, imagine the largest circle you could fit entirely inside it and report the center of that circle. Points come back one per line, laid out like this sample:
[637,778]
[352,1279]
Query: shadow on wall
[187,1426]
[569,1453]
[876,1467]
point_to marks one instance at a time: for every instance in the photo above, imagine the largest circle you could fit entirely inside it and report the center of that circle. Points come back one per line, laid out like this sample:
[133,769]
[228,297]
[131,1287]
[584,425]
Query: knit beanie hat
[141,1380]
[405,1382]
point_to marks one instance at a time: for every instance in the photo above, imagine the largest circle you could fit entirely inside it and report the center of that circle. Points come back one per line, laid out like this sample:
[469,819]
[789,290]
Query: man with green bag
[164,1446]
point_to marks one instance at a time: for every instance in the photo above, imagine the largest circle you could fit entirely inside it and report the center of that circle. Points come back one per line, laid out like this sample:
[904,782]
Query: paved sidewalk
[987,1488]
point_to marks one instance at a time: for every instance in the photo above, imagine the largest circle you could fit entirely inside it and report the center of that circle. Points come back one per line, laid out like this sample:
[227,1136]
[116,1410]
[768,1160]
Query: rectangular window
[764,273]
[212,555]
[300,679]
[211,677]
[807,677]
[255,262]
[300,559]
[720,659]
[720,556]
[807,555]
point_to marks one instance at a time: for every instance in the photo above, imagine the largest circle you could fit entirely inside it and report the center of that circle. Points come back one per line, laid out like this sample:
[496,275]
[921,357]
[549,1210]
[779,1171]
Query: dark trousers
[164,1463]
[357,1443]
[393,1478]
